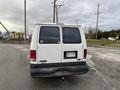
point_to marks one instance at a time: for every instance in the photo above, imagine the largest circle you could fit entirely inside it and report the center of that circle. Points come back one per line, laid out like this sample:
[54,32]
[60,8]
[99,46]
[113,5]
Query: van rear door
[49,47]
[71,47]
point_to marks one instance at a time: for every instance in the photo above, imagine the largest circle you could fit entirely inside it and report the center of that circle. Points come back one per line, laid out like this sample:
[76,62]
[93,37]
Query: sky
[41,11]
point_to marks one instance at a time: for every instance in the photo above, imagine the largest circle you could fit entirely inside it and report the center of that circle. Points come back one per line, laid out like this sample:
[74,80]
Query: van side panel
[84,44]
[34,42]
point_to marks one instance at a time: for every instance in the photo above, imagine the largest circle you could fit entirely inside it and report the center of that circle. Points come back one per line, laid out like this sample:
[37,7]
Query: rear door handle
[79,59]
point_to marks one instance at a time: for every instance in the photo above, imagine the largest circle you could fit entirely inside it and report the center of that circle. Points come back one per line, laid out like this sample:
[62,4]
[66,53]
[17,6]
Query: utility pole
[97,22]
[25,18]
[54,10]
[57,19]
[57,11]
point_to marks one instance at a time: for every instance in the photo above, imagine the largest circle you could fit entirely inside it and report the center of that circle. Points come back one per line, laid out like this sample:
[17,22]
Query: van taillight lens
[85,53]
[33,55]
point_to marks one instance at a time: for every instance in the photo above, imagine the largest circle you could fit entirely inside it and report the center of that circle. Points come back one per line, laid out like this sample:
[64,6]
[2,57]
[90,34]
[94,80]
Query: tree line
[102,34]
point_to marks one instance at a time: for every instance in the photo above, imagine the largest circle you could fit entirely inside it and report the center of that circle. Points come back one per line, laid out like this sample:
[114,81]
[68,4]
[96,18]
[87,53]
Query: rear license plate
[70,54]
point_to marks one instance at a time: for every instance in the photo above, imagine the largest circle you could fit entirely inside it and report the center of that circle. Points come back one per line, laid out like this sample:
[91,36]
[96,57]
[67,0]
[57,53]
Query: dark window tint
[71,35]
[49,35]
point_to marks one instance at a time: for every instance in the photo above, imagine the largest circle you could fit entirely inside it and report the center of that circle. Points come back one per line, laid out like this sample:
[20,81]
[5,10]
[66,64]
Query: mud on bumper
[58,69]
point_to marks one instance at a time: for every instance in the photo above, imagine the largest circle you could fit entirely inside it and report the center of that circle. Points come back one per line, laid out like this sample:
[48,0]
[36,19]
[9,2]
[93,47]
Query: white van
[58,50]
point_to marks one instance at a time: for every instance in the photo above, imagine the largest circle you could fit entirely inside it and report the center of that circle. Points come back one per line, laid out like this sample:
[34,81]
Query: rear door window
[71,35]
[49,35]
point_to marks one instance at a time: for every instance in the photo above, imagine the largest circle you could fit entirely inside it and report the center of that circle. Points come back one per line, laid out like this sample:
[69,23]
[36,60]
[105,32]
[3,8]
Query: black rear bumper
[58,69]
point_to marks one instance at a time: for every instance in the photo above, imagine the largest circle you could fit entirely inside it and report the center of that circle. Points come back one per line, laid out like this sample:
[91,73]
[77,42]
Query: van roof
[45,24]
[61,24]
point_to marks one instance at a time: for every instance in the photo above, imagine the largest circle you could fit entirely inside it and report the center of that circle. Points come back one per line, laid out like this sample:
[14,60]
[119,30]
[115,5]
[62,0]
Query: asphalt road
[104,72]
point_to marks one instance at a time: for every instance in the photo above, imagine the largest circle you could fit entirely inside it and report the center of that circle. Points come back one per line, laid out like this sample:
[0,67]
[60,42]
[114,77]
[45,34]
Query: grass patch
[93,42]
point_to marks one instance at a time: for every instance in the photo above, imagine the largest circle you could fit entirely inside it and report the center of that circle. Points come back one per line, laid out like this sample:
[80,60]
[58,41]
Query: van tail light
[85,53]
[33,55]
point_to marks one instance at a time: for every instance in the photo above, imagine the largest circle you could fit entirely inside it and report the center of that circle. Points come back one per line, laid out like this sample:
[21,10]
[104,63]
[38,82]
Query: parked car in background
[111,38]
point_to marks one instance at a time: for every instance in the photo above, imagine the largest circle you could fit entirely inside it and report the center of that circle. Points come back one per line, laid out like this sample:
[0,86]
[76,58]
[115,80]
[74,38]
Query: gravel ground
[107,61]
[104,73]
